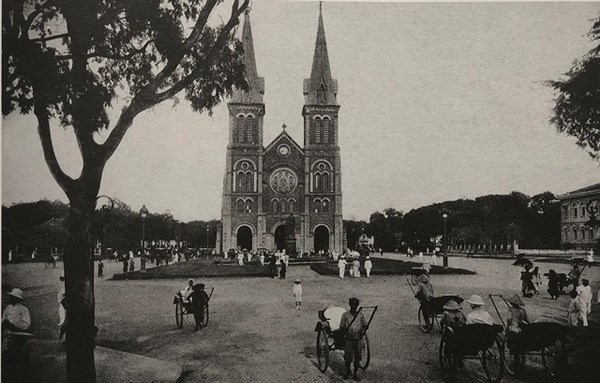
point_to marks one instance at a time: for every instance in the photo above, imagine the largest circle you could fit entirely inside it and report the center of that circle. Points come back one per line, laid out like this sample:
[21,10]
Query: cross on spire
[284,126]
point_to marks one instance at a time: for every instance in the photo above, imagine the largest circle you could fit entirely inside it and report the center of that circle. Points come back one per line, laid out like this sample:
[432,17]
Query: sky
[439,101]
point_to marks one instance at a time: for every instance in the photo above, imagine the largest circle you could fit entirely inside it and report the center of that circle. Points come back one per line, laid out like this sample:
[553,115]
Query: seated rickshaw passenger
[185,293]
[478,313]
[453,316]
[333,317]
[424,288]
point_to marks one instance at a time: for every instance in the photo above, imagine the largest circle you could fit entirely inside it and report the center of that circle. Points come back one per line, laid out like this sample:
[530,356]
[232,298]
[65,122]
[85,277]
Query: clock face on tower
[283,181]
[283,150]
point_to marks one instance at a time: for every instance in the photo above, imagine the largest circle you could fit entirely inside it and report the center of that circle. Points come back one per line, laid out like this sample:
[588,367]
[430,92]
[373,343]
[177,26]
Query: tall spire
[320,88]
[256,84]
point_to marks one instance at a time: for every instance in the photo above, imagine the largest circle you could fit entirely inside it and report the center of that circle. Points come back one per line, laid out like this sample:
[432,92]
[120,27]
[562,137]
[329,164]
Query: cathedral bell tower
[323,198]
[243,170]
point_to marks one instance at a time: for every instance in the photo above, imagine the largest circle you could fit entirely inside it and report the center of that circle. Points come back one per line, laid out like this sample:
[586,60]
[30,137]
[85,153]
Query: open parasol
[522,262]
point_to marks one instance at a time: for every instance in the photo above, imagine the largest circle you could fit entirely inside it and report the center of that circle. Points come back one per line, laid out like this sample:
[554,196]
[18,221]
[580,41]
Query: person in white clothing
[297,291]
[584,293]
[421,256]
[240,258]
[478,313]
[16,316]
[590,256]
[262,258]
[368,266]
[342,266]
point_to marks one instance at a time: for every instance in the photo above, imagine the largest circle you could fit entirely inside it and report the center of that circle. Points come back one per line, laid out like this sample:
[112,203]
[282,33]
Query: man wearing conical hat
[16,316]
[478,313]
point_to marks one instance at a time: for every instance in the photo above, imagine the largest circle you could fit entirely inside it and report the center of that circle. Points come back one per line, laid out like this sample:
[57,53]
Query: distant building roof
[588,190]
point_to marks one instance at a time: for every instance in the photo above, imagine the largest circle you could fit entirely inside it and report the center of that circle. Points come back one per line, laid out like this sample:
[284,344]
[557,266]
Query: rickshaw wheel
[179,314]
[514,361]
[425,327]
[365,353]
[322,350]
[492,361]
[205,320]
[553,358]
[448,360]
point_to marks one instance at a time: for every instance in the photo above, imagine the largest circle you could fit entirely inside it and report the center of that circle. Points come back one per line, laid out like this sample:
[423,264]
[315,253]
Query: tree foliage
[577,109]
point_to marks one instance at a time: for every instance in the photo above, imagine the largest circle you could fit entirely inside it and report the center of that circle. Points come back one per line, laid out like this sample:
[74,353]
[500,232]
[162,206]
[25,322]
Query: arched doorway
[321,238]
[280,237]
[244,238]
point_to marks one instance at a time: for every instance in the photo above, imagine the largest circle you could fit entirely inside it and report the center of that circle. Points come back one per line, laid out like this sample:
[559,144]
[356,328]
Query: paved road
[255,335]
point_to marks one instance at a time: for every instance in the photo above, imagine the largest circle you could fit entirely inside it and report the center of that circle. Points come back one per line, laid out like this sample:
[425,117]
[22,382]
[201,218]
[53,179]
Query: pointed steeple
[320,88]
[256,84]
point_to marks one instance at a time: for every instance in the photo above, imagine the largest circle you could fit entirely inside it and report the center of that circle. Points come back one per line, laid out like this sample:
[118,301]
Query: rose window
[283,181]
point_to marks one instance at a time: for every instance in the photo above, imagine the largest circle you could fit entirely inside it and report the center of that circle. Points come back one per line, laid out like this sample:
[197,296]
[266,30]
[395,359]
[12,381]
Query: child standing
[100,269]
[297,291]
[574,308]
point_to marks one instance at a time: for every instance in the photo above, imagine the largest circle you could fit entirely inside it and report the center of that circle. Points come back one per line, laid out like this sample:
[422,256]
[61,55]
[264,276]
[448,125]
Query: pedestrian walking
[342,266]
[273,266]
[584,293]
[368,266]
[282,270]
[131,265]
[434,258]
[574,308]
[9,255]
[100,269]
[199,300]
[240,258]
[553,280]
[261,258]
[356,268]
[125,265]
[297,291]
[421,256]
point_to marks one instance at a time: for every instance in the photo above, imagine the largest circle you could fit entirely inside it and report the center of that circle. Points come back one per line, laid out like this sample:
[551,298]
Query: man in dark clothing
[199,300]
[353,324]
[125,265]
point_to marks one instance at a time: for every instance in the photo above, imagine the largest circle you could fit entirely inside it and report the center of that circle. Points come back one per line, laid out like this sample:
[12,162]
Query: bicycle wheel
[554,357]
[322,350]
[179,314]
[365,353]
[492,361]
[426,324]
[448,361]
[514,360]
[205,320]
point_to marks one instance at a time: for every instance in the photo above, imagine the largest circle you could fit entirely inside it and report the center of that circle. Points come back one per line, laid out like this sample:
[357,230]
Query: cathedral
[283,195]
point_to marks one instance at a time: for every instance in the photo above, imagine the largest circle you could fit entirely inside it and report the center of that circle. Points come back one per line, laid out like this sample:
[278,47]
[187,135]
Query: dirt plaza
[256,335]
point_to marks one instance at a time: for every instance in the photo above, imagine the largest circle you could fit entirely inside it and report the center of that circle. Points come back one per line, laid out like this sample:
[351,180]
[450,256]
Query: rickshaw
[184,307]
[430,311]
[330,336]
[546,339]
[473,341]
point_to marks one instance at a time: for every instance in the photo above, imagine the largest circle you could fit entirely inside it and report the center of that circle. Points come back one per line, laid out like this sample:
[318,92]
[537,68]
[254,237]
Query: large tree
[577,109]
[69,61]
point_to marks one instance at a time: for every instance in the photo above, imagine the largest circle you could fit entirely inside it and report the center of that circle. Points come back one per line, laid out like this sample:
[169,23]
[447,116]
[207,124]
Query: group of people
[355,267]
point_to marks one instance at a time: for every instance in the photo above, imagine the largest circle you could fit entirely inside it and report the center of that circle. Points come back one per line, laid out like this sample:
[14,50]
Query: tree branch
[49,38]
[111,56]
[41,112]
[147,97]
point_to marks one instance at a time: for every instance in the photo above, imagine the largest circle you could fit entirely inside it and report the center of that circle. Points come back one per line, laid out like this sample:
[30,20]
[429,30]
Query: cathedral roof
[256,84]
[282,137]
[320,88]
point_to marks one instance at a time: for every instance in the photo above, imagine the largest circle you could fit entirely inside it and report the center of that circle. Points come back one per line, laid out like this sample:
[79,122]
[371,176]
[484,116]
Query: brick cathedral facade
[283,195]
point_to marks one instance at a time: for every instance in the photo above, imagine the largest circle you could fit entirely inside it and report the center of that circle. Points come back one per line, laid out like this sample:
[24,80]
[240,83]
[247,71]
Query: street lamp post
[445,217]
[207,229]
[144,214]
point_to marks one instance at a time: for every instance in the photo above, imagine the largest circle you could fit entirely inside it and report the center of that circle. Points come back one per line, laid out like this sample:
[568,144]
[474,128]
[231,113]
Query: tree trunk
[79,287]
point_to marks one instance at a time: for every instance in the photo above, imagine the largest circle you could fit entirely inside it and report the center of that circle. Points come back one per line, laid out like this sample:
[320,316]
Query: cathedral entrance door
[244,238]
[321,238]
[280,237]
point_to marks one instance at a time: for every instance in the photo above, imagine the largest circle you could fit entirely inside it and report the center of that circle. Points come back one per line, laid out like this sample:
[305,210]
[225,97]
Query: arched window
[240,181]
[574,211]
[291,205]
[318,130]
[240,206]
[248,205]
[317,205]
[325,182]
[249,181]
[317,181]
[283,206]
[566,234]
[325,206]
[574,233]
[246,128]
[275,206]
[241,127]
[325,139]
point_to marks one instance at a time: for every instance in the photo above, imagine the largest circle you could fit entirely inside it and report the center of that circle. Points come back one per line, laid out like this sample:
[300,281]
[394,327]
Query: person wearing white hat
[297,291]
[342,266]
[368,266]
[16,316]
[478,313]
